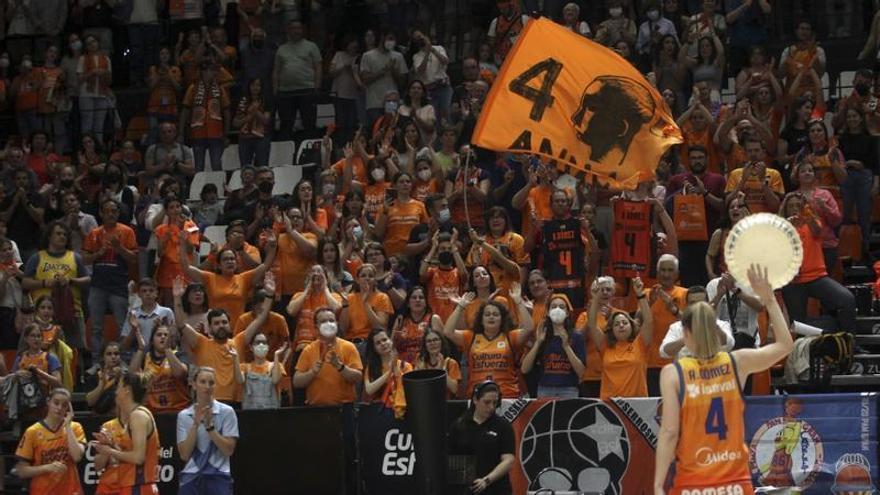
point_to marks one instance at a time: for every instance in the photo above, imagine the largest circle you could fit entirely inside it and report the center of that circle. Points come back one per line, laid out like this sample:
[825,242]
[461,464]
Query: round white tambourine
[767,240]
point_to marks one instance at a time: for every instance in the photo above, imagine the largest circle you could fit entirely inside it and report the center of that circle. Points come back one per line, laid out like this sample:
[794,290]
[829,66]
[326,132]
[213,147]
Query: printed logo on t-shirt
[502,344]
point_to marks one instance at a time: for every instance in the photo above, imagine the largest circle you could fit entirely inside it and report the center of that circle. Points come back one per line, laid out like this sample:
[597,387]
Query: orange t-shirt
[210,262]
[539,202]
[101,236]
[401,218]
[294,264]
[206,120]
[264,369]
[49,84]
[813,266]
[409,343]
[209,352]
[163,97]
[49,334]
[662,319]
[625,370]
[229,293]
[511,245]
[40,446]
[421,189]
[169,255]
[396,394]
[358,171]
[359,326]
[473,309]
[374,196]
[329,388]
[754,189]
[165,392]
[275,330]
[494,360]
[441,285]
[28,96]
[702,138]
[305,331]
[593,366]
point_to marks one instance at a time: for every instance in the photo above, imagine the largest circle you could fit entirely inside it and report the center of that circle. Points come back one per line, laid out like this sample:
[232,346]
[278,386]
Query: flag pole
[467,161]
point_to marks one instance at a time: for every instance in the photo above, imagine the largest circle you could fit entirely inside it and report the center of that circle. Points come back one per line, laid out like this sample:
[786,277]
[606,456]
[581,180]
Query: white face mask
[444,215]
[654,15]
[425,174]
[615,11]
[329,189]
[357,232]
[327,329]
[260,350]
[557,315]
[378,174]
[390,44]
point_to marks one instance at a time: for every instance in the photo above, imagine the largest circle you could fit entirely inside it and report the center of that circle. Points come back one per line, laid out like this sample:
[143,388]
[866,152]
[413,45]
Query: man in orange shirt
[667,301]
[330,367]
[206,113]
[111,250]
[218,351]
[247,255]
[762,186]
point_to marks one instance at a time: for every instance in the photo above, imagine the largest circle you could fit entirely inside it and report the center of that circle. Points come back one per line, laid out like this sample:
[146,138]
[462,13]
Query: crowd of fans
[406,248]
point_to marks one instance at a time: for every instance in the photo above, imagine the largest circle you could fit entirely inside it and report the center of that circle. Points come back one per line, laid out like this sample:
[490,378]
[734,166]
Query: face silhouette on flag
[612,112]
[568,99]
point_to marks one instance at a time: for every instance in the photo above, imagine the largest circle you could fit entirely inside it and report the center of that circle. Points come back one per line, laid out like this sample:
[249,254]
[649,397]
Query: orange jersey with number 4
[711,449]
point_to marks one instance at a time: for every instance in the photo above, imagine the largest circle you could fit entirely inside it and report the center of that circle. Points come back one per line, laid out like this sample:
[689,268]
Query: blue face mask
[391,106]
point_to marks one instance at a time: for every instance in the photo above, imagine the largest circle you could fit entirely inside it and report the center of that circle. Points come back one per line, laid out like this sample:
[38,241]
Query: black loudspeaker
[864,298]
[426,415]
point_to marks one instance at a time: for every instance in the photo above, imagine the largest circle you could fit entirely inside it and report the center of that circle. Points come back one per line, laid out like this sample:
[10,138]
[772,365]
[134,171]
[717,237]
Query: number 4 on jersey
[541,98]
[715,422]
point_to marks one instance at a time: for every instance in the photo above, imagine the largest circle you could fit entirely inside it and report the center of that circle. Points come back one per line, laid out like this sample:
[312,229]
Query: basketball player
[703,427]
[128,446]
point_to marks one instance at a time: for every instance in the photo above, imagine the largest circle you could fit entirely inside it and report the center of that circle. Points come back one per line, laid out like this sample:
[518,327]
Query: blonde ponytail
[699,320]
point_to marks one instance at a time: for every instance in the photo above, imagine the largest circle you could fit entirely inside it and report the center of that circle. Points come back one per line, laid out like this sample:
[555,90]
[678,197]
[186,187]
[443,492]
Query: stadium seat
[234,181]
[229,159]
[845,83]
[285,179]
[202,178]
[826,86]
[326,114]
[309,152]
[216,234]
[281,153]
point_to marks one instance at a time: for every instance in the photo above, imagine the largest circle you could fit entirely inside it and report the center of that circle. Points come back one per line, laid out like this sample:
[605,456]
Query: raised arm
[449,331]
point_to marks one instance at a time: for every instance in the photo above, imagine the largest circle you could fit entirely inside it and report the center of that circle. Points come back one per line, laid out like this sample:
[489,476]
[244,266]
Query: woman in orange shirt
[425,182]
[812,280]
[482,283]
[624,346]
[827,159]
[435,355]
[304,198]
[410,326]
[501,250]
[395,222]
[387,280]
[702,430]
[166,388]
[366,308]
[169,236]
[226,289]
[330,257]
[50,450]
[491,347]
[302,306]
[376,188]
[383,381]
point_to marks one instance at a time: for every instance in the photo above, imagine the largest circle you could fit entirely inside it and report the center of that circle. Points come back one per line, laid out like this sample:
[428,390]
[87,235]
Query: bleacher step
[868,340]
[868,325]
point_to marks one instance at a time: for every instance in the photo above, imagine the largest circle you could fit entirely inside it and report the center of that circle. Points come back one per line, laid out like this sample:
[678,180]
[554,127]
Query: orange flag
[565,98]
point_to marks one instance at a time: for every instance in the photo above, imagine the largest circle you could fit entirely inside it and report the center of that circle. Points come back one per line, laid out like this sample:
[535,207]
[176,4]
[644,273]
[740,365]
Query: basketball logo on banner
[786,451]
[575,444]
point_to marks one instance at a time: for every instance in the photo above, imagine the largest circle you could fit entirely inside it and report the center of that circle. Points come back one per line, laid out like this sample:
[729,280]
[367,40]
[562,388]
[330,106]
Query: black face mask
[67,183]
[265,187]
[445,258]
[862,88]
